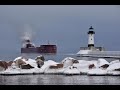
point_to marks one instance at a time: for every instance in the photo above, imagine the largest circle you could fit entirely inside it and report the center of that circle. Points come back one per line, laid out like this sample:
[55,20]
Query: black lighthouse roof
[91,30]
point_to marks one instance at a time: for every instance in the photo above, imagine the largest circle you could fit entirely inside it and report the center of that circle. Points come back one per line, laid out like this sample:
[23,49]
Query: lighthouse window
[91,39]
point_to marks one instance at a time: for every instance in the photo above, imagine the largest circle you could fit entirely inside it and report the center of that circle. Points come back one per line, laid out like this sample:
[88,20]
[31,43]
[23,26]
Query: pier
[102,54]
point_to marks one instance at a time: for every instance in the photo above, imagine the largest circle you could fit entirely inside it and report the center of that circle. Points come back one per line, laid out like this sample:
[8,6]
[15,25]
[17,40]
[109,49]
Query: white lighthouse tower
[91,38]
[86,50]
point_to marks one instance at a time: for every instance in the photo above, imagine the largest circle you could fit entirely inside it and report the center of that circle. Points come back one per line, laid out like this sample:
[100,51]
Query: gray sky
[64,25]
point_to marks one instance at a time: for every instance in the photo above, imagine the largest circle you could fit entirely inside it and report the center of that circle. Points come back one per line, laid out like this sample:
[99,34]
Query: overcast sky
[64,25]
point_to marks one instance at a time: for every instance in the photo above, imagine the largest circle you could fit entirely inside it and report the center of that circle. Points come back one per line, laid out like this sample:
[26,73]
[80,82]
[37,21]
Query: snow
[69,68]
[114,66]
[31,71]
[115,61]
[102,62]
[17,58]
[13,65]
[53,71]
[71,71]
[18,71]
[32,62]
[68,61]
[97,71]
[15,70]
[83,51]
[113,72]
[25,60]
[11,71]
[83,65]
[47,70]
[48,63]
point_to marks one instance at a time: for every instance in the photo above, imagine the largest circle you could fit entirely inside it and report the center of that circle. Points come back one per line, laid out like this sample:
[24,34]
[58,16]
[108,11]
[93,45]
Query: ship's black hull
[42,49]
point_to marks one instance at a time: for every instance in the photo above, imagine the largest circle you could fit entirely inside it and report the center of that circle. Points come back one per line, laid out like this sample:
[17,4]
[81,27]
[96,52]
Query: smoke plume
[27,33]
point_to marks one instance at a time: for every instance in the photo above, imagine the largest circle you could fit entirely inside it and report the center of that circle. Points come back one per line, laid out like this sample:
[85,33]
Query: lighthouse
[91,37]
[88,50]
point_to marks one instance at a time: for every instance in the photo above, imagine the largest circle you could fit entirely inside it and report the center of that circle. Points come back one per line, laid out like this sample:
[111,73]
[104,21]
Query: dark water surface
[59,80]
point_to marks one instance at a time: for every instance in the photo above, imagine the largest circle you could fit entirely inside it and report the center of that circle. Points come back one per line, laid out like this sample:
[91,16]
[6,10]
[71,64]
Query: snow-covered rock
[2,68]
[71,70]
[53,71]
[97,71]
[38,71]
[56,69]
[20,57]
[13,65]
[115,61]
[32,62]
[83,65]
[66,66]
[114,66]
[113,72]
[11,71]
[18,71]
[68,61]
[48,63]
[3,65]
[102,62]
[31,71]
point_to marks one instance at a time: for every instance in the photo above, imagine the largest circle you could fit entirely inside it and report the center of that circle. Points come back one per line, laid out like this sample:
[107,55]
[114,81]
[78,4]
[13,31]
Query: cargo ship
[28,47]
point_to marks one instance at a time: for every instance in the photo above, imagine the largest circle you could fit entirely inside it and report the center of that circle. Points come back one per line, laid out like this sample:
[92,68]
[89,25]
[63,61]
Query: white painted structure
[91,37]
[92,51]
[91,45]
